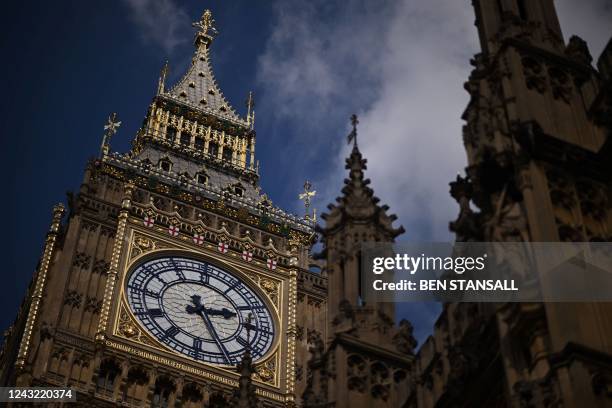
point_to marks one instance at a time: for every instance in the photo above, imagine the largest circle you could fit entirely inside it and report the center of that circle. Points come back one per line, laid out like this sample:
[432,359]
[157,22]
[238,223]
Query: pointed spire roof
[358,202]
[198,88]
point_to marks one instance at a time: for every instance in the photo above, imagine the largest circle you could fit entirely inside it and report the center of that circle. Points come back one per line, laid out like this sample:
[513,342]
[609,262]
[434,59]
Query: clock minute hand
[198,307]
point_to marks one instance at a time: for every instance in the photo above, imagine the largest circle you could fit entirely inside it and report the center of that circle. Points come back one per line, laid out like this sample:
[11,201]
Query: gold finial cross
[206,23]
[112,124]
[352,137]
[307,196]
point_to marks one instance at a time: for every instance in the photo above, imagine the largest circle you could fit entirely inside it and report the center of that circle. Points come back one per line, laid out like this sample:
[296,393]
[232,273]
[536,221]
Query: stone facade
[188,186]
[537,136]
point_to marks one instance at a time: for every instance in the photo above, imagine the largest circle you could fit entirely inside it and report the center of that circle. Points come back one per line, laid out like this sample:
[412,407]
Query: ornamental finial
[250,104]
[307,196]
[162,78]
[206,26]
[112,124]
[352,137]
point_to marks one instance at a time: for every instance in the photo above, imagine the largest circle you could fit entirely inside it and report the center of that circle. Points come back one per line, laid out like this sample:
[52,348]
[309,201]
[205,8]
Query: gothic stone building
[125,306]
[173,281]
[538,137]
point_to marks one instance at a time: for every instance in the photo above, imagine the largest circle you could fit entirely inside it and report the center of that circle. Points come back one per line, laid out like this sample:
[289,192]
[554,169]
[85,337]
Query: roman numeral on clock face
[197,347]
[242,341]
[171,331]
[250,307]
[156,312]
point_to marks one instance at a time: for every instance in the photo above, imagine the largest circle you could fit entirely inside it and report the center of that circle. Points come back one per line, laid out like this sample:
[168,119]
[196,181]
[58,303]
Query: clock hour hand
[198,308]
[197,305]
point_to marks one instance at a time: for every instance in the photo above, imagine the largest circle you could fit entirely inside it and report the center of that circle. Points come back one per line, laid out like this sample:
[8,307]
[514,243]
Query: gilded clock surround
[143,245]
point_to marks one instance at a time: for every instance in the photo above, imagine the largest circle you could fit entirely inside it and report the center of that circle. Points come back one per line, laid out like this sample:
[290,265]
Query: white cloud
[402,64]
[162,22]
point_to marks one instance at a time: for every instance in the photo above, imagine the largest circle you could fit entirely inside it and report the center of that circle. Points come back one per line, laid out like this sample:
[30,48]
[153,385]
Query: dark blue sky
[399,64]
[66,66]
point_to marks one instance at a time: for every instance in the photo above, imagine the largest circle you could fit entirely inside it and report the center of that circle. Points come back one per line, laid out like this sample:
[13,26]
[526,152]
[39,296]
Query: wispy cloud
[401,64]
[162,22]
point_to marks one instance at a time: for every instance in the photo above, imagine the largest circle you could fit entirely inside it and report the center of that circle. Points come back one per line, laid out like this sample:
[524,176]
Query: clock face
[200,310]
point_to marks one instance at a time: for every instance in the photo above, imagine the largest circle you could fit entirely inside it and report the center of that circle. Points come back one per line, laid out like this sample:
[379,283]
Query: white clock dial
[200,310]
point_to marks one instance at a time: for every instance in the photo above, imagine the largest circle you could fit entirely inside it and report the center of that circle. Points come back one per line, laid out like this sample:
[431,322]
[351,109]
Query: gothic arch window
[170,134]
[227,154]
[164,387]
[64,369]
[192,396]
[59,364]
[236,189]
[185,139]
[247,157]
[201,178]
[213,149]
[107,377]
[199,143]
[137,380]
[217,401]
[77,367]
[239,190]
[84,377]
[165,164]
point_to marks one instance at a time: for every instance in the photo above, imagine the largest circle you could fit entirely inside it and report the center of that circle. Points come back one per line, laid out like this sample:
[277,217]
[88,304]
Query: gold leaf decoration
[128,329]
[271,288]
[266,372]
[142,245]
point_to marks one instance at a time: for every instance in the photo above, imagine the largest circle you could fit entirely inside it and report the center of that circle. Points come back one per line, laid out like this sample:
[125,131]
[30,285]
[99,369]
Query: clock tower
[171,279]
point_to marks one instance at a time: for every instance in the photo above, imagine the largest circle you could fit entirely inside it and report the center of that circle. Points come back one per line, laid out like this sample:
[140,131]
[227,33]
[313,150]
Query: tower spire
[162,78]
[352,137]
[250,104]
[206,29]
[198,88]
